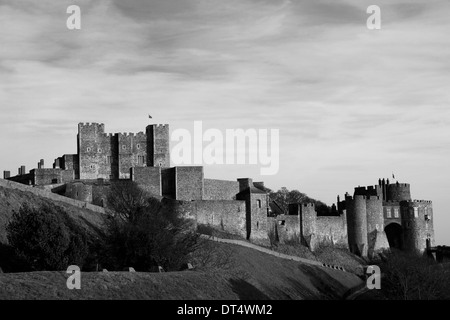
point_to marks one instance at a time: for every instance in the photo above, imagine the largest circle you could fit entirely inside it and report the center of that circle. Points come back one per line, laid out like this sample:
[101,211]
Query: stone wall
[148,178]
[189,183]
[27,179]
[52,176]
[100,193]
[288,228]
[220,189]
[79,191]
[332,230]
[71,162]
[185,209]
[226,215]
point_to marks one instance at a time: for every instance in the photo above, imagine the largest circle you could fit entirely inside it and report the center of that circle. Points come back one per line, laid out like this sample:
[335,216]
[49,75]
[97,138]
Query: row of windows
[110,160]
[427,212]
[99,150]
[392,213]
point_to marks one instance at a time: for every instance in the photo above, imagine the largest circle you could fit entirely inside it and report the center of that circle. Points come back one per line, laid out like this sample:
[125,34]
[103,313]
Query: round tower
[357,224]
[374,210]
[417,217]
[377,239]
[398,192]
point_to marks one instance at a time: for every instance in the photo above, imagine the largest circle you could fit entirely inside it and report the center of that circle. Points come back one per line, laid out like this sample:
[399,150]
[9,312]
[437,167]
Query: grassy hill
[250,275]
[11,199]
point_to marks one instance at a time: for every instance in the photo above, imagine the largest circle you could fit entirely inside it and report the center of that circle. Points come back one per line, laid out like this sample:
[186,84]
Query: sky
[351,104]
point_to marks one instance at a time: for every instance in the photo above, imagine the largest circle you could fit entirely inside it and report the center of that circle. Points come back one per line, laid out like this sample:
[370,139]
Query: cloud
[341,95]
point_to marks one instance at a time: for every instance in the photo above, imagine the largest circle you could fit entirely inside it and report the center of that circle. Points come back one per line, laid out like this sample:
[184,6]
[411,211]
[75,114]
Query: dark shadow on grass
[246,291]
[328,287]
[97,231]
[294,290]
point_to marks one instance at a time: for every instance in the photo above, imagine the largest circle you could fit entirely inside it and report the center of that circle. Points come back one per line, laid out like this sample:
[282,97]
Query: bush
[46,238]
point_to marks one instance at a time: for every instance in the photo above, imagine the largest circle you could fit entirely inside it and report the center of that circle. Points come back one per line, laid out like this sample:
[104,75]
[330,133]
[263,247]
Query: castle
[373,219]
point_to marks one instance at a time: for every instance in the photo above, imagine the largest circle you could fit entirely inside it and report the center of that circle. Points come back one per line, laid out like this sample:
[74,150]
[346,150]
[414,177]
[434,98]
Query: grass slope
[11,200]
[251,275]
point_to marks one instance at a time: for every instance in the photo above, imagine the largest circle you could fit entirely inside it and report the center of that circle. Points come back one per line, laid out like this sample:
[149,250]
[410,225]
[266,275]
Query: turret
[398,192]
[244,183]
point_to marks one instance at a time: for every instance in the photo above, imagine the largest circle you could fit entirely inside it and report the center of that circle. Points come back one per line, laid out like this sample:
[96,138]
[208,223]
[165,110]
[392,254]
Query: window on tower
[258,203]
[396,213]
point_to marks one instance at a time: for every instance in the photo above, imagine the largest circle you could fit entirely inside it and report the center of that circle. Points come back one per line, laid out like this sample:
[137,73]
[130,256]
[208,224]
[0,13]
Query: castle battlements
[391,203]
[158,125]
[368,188]
[108,135]
[400,184]
[91,124]
[420,201]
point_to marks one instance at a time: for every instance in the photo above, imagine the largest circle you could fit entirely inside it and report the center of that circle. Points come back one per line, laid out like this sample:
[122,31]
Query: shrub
[46,238]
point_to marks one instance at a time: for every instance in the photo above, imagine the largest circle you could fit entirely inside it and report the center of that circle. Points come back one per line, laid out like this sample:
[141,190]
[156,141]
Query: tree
[144,234]
[412,277]
[46,238]
[126,198]
[284,197]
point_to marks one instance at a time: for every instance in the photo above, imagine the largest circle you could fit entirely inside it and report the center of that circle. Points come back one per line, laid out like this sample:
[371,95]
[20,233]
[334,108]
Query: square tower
[158,150]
